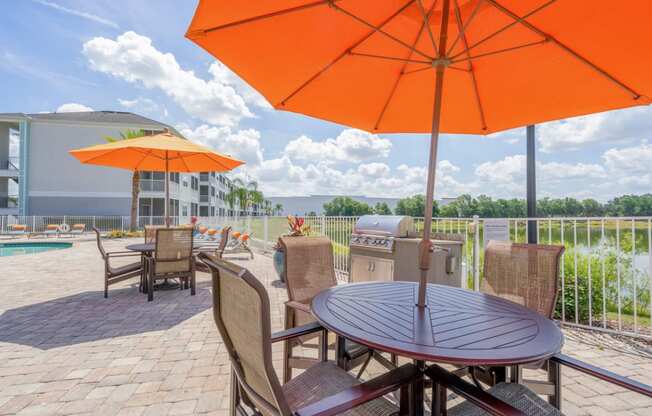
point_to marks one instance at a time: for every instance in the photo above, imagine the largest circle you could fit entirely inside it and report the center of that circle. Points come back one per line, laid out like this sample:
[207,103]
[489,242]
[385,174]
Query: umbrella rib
[390,58]
[462,30]
[476,91]
[420,69]
[504,28]
[382,32]
[145,154]
[469,58]
[565,48]
[402,72]
[344,53]
[268,15]
[426,20]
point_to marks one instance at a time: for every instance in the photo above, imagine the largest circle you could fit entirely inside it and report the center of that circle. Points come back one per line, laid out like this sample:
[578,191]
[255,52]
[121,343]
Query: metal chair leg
[554,376]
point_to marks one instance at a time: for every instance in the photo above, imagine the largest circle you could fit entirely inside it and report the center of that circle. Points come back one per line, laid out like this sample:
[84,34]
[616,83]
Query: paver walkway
[64,349]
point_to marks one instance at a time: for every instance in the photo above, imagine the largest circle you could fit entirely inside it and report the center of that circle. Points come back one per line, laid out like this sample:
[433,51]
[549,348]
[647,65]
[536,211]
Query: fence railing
[605,273]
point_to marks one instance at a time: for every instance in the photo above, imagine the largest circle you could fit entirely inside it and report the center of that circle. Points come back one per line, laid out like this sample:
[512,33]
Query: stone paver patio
[64,349]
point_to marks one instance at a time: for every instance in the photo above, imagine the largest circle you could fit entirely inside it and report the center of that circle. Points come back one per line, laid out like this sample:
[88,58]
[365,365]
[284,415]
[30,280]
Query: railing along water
[605,272]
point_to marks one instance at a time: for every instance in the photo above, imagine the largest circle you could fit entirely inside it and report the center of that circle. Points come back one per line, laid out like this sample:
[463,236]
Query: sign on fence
[497,230]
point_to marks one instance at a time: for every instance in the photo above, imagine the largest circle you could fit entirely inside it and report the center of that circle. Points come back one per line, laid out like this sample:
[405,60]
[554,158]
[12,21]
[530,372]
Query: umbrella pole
[167,191]
[440,68]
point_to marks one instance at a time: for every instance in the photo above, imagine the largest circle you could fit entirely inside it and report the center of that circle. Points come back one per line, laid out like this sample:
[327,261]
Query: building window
[193,209]
[212,211]
[203,193]
[203,176]
[184,210]
[212,191]
[203,211]
[194,183]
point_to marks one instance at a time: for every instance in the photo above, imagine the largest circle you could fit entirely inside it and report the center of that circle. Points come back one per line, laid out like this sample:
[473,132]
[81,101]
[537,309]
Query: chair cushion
[325,379]
[515,394]
[127,268]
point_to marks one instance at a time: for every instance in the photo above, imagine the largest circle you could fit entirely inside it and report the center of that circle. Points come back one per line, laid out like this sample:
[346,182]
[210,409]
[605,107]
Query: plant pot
[279,264]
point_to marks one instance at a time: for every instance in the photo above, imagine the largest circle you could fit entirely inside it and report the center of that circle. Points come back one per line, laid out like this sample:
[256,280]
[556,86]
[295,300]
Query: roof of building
[110,117]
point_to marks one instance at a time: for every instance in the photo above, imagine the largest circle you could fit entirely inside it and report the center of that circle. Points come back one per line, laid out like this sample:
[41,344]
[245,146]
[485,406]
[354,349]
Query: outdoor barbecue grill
[386,247]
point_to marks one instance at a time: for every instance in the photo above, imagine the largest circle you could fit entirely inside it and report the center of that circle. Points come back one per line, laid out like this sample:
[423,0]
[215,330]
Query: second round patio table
[457,326]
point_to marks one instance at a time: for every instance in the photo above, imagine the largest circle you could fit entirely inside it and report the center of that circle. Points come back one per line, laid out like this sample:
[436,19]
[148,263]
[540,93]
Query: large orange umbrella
[454,66]
[162,152]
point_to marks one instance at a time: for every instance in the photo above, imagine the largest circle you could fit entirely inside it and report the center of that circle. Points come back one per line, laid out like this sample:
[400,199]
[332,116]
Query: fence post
[33,223]
[265,232]
[322,225]
[476,253]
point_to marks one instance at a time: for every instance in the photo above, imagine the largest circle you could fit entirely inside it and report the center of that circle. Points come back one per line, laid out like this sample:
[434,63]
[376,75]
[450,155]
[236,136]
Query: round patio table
[457,326]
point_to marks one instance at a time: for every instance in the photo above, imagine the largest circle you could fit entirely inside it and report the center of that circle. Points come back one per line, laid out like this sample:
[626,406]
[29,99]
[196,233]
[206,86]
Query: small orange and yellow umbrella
[162,152]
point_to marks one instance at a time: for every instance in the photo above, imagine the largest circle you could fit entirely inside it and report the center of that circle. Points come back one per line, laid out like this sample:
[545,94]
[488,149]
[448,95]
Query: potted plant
[296,228]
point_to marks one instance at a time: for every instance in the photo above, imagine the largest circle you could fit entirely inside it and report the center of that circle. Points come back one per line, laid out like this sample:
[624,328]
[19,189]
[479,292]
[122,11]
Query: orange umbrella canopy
[152,152]
[372,64]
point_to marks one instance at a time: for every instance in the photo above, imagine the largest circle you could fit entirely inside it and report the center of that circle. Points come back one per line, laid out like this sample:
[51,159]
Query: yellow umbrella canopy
[161,152]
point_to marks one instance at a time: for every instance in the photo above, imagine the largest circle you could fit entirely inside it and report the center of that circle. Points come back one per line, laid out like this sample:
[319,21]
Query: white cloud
[73,108]
[78,13]
[350,145]
[133,58]
[144,105]
[374,170]
[610,127]
[630,166]
[243,144]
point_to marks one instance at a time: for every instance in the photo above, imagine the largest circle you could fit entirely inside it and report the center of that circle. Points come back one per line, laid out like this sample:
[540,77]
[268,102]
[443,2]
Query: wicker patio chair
[173,259]
[527,274]
[117,274]
[241,309]
[309,269]
[150,233]
[511,399]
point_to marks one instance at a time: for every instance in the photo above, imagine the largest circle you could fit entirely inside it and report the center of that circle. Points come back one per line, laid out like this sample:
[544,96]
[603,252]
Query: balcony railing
[11,163]
[8,201]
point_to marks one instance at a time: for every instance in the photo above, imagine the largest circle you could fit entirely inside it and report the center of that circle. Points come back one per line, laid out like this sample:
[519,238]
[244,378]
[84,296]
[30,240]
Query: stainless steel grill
[377,232]
[385,247]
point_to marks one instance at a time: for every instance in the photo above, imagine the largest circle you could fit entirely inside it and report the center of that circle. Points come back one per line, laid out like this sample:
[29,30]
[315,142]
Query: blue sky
[132,56]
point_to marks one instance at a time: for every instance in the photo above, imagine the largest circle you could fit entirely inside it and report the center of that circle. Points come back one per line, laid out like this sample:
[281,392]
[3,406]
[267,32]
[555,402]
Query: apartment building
[39,177]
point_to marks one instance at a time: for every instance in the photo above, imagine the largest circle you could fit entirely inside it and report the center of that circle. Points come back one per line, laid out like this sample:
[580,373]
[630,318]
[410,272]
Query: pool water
[15,249]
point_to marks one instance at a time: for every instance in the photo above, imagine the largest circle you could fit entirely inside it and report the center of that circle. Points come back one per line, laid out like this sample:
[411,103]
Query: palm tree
[135,178]
[278,208]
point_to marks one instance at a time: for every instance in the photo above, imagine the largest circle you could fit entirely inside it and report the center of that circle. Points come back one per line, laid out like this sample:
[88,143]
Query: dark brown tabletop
[142,247]
[458,326]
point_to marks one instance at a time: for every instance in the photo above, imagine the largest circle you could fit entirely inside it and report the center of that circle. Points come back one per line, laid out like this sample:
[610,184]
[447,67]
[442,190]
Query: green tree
[415,206]
[382,208]
[135,177]
[278,208]
[592,208]
[346,206]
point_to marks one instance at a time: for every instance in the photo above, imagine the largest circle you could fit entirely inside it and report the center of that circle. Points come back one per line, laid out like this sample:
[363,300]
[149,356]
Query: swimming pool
[15,249]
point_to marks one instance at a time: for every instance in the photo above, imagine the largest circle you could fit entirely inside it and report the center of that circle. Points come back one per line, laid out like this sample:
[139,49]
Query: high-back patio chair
[241,309]
[527,274]
[150,233]
[310,269]
[173,259]
[115,274]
